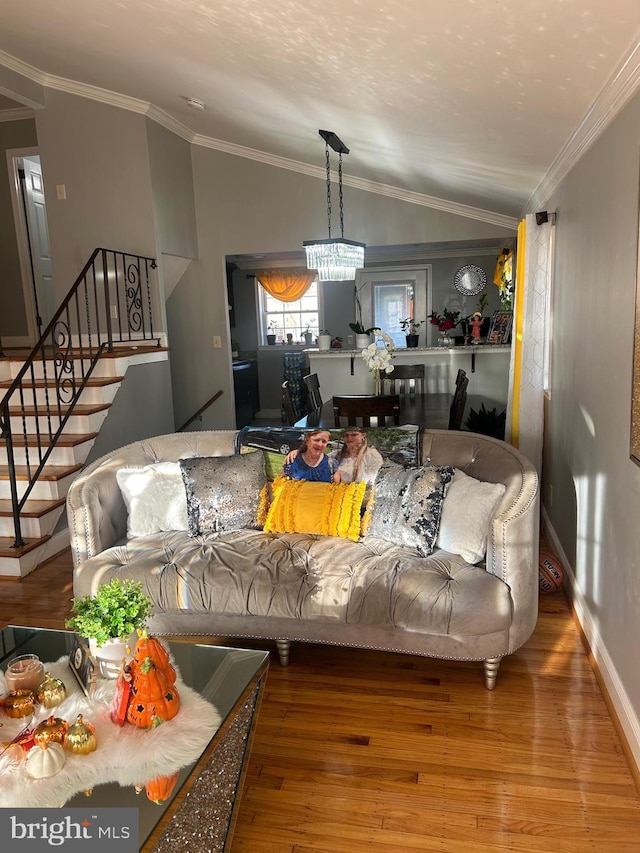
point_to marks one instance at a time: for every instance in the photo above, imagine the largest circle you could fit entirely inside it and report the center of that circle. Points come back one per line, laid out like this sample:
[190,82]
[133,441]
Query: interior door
[388,295]
[39,248]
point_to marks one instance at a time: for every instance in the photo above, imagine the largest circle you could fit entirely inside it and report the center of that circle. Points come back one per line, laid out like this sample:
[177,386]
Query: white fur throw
[467,511]
[125,754]
[155,497]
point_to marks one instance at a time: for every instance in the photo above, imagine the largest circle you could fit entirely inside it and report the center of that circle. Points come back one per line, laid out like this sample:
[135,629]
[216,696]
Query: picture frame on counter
[500,329]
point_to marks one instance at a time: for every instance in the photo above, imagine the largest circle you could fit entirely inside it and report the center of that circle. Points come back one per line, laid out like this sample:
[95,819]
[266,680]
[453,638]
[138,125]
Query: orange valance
[287,285]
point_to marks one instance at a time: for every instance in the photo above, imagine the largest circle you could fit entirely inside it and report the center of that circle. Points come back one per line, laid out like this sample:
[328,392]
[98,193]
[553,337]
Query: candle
[24,673]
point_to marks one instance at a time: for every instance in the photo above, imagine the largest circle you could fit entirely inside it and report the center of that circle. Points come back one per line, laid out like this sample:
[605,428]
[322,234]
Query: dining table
[427,410]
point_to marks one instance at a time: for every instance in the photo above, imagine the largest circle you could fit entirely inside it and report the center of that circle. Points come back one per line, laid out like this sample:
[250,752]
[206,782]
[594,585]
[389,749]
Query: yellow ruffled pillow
[326,509]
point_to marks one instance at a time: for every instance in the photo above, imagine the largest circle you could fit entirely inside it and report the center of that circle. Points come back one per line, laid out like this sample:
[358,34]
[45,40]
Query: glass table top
[219,674]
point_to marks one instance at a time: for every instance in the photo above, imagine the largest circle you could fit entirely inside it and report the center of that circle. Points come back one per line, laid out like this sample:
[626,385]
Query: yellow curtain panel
[518,322]
[287,285]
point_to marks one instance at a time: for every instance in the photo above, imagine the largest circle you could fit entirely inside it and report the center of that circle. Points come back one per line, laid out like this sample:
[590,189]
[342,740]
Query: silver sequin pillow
[223,492]
[408,505]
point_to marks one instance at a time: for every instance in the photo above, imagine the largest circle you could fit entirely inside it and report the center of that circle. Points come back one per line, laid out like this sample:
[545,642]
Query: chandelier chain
[328,185]
[340,190]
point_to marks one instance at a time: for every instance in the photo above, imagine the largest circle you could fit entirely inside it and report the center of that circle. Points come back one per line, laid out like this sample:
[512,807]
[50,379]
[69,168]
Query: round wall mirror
[470,280]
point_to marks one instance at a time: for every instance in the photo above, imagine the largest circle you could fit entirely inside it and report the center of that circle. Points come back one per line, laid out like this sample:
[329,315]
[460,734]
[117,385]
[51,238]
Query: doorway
[32,235]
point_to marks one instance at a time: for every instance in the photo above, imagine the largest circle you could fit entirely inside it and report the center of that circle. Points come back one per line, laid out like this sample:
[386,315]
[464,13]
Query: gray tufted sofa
[295,587]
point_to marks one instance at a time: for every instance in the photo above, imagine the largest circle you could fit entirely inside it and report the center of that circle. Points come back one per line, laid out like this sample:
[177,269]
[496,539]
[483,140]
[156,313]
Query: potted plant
[363,336]
[308,336]
[271,333]
[110,620]
[411,328]
[336,342]
[324,340]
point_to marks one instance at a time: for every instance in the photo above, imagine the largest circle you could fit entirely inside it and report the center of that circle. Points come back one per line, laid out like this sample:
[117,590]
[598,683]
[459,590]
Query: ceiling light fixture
[335,260]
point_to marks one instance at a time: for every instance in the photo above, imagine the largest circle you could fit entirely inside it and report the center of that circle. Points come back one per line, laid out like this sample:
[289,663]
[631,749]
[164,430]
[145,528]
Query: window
[389,295]
[392,303]
[293,318]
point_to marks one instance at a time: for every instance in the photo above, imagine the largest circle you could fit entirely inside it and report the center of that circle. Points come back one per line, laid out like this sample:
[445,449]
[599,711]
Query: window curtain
[287,285]
[525,407]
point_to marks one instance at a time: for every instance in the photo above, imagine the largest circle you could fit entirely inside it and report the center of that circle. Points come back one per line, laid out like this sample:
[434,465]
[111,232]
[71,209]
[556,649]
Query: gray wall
[172,188]
[591,488]
[244,207]
[13,318]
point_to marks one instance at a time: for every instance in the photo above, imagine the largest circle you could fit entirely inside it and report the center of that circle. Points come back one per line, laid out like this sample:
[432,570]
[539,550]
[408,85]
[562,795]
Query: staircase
[54,399]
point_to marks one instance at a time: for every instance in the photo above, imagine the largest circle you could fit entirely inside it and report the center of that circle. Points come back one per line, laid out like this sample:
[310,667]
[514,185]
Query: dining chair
[460,376]
[287,404]
[312,391]
[364,408]
[458,403]
[406,379]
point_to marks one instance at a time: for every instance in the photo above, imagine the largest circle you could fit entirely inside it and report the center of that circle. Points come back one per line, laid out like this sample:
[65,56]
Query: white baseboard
[617,694]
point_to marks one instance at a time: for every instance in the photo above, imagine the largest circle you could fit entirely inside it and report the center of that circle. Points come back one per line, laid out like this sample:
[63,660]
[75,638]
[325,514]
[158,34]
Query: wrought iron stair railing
[111,302]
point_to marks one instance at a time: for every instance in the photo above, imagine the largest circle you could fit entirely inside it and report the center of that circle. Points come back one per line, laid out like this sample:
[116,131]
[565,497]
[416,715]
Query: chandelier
[335,260]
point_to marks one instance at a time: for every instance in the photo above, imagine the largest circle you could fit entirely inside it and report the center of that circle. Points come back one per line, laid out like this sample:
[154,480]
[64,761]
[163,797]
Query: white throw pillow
[155,497]
[467,512]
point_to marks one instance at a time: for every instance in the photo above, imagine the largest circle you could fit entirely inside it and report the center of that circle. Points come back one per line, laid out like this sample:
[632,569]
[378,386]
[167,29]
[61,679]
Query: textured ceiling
[466,101]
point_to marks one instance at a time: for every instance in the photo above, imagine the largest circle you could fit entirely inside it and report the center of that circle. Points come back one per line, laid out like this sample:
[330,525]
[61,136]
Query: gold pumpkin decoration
[51,730]
[51,692]
[19,703]
[80,738]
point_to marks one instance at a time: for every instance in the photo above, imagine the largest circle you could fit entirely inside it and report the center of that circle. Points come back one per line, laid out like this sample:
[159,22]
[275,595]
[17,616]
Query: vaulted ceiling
[483,103]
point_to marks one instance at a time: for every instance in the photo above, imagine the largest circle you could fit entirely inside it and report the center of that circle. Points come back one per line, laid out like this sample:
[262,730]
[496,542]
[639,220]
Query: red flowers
[445,321]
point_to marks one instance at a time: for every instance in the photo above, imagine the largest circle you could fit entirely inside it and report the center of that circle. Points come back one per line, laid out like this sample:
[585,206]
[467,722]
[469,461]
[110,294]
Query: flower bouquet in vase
[445,322]
[378,356]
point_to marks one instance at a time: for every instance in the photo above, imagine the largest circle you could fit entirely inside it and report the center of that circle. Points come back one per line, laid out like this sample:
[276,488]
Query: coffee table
[232,680]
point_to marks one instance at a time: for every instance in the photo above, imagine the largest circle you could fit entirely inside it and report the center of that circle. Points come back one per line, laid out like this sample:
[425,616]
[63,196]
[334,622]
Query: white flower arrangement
[378,358]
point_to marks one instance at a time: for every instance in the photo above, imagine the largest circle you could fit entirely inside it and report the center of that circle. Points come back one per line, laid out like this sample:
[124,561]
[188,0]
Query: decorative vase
[377,383]
[271,340]
[412,341]
[308,338]
[324,342]
[362,341]
[445,339]
[111,654]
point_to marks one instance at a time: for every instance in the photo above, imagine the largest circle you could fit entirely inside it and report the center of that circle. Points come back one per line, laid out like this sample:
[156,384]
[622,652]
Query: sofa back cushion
[325,509]
[407,505]
[223,492]
[155,498]
[467,512]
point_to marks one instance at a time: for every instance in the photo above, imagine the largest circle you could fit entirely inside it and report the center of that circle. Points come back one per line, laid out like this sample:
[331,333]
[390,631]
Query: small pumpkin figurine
[51,730]
[153,698]
[80,738]
[45,760]
[160,788]
[51,692]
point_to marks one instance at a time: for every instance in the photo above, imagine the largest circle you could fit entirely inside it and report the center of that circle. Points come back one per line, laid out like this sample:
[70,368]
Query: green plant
[359,329]
[116,610]
[483,302]
[487,421]
[410,326]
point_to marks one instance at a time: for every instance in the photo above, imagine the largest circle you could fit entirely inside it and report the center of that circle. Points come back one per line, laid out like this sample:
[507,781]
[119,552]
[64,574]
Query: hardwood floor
[364,751]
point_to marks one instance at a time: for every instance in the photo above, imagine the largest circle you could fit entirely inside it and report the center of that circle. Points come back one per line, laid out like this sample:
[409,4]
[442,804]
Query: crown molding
[358,183]
[614,95]
[19,114]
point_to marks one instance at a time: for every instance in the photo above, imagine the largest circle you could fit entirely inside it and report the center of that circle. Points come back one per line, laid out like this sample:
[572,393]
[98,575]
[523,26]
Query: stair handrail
[119,280]
[200,410]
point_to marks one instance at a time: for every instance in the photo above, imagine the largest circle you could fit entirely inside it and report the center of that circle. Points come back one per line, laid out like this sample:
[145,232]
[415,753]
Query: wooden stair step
[49,472]
[6,543]
[41,411]
[33,508]
[65,440]
[94,382]
[119,350]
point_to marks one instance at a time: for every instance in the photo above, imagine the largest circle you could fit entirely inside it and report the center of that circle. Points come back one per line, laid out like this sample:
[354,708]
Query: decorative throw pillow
[326,509]
[407,505]
[223,492]
[466,515]
[155,498]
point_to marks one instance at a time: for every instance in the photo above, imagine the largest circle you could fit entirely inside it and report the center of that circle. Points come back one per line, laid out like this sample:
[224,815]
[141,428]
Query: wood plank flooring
[364,751]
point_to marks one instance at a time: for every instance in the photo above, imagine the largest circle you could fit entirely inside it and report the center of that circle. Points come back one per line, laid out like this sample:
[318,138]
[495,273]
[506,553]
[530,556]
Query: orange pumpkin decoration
[153,698]
[160,789]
